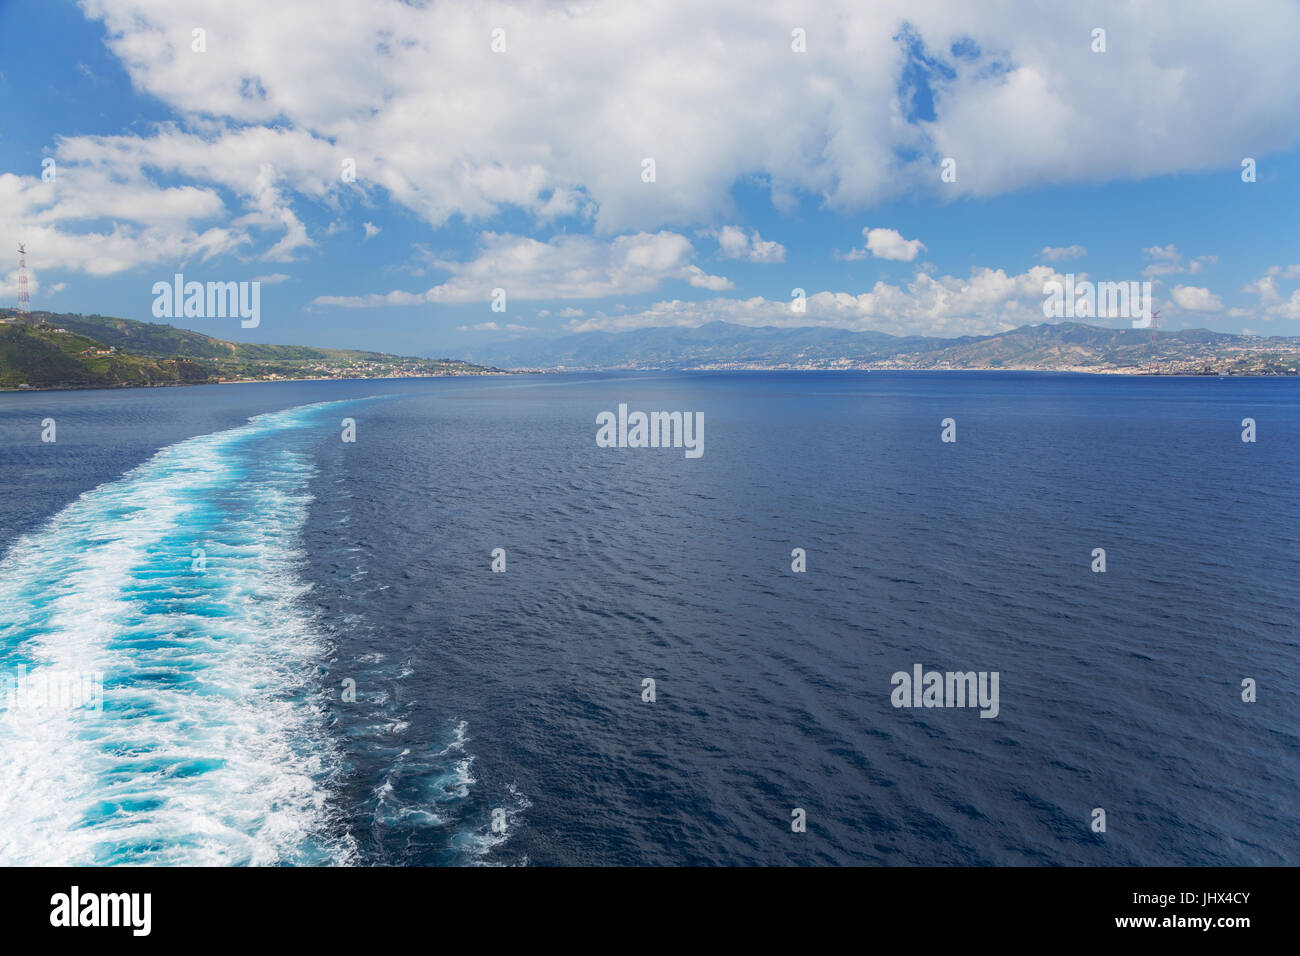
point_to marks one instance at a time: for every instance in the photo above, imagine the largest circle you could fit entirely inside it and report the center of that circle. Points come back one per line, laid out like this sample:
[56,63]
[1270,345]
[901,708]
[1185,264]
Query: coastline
[1119,372]
[8,390]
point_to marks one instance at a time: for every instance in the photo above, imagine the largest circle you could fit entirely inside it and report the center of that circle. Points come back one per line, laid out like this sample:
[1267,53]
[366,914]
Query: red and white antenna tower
[24,301]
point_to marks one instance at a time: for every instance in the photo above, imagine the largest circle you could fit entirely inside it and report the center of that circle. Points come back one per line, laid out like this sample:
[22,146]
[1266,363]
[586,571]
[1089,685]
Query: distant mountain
[716,342]
[54,350]
[57,350]
[1068,346]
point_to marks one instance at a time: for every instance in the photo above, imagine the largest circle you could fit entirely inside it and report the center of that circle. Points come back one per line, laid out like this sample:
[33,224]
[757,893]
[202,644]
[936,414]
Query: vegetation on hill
[55,350]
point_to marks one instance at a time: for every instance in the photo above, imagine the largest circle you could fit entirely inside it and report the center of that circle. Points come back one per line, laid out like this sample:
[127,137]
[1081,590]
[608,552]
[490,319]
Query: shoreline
[1127,373]
[10,390]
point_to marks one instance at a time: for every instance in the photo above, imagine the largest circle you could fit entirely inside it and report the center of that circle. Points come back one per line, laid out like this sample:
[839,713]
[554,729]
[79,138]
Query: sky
[504,146]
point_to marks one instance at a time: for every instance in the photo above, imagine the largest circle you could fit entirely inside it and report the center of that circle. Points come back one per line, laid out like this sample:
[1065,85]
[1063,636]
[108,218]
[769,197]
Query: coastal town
[43,350]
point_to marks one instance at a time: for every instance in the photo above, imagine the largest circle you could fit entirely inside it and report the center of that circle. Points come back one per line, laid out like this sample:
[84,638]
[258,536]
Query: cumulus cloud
[113,179]
[494,327]
[735,243]
[437,125]
[566,267]
[988,300]
[1287,309]
[546,126]
[1061,253]
[371,229]
[1195,299]
[1274,303]
[142,223]
[886,244]
[702,280]
[1169,261]
[9,285]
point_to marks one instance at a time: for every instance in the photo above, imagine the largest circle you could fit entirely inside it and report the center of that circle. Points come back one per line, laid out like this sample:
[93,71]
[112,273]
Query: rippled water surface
[234,569]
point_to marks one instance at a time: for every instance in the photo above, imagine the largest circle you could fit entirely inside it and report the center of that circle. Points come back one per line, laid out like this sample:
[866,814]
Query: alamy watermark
[215,300]
[1098,300]
[951,689]
[75,908]
[45,689]
[652,430]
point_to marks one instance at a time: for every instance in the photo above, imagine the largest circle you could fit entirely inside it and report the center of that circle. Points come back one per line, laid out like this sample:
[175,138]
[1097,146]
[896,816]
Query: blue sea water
[233,568]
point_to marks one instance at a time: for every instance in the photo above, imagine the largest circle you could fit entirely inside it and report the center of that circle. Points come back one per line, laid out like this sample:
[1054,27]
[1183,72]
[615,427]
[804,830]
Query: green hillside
[57,350]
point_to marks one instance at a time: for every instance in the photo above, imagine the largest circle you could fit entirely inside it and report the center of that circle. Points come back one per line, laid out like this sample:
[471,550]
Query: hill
[1066,346]
[60,350]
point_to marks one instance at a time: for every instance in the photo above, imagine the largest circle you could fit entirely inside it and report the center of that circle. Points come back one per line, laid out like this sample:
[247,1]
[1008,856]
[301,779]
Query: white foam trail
[211,747]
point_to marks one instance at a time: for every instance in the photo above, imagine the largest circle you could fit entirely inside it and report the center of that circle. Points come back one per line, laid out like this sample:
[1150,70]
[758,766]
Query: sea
[434,622]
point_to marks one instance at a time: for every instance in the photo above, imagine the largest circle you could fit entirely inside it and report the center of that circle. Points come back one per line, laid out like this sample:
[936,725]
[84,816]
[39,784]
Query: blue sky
[521,168]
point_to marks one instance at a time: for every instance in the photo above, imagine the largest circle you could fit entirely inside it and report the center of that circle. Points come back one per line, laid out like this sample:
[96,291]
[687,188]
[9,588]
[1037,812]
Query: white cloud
[735,243]
[131,221]
[441,127]
[371,230]
[1195,299]
[1167,253]
[444,126]
[887,244]
[9,286]
[566,267]
[1169,261]
[987,301]
[1265,287]
[495,327]
[111,179]
[1060,253]
[273,279]
[1282,308]
[1275,304]
[1290,309]
[702,280]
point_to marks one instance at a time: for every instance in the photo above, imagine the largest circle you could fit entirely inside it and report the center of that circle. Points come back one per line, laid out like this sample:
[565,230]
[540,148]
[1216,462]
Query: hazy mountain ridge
[1068,346]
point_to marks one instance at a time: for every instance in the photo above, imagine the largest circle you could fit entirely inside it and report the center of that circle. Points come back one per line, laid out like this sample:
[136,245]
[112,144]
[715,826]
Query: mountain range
[1066,346]
[64,350]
